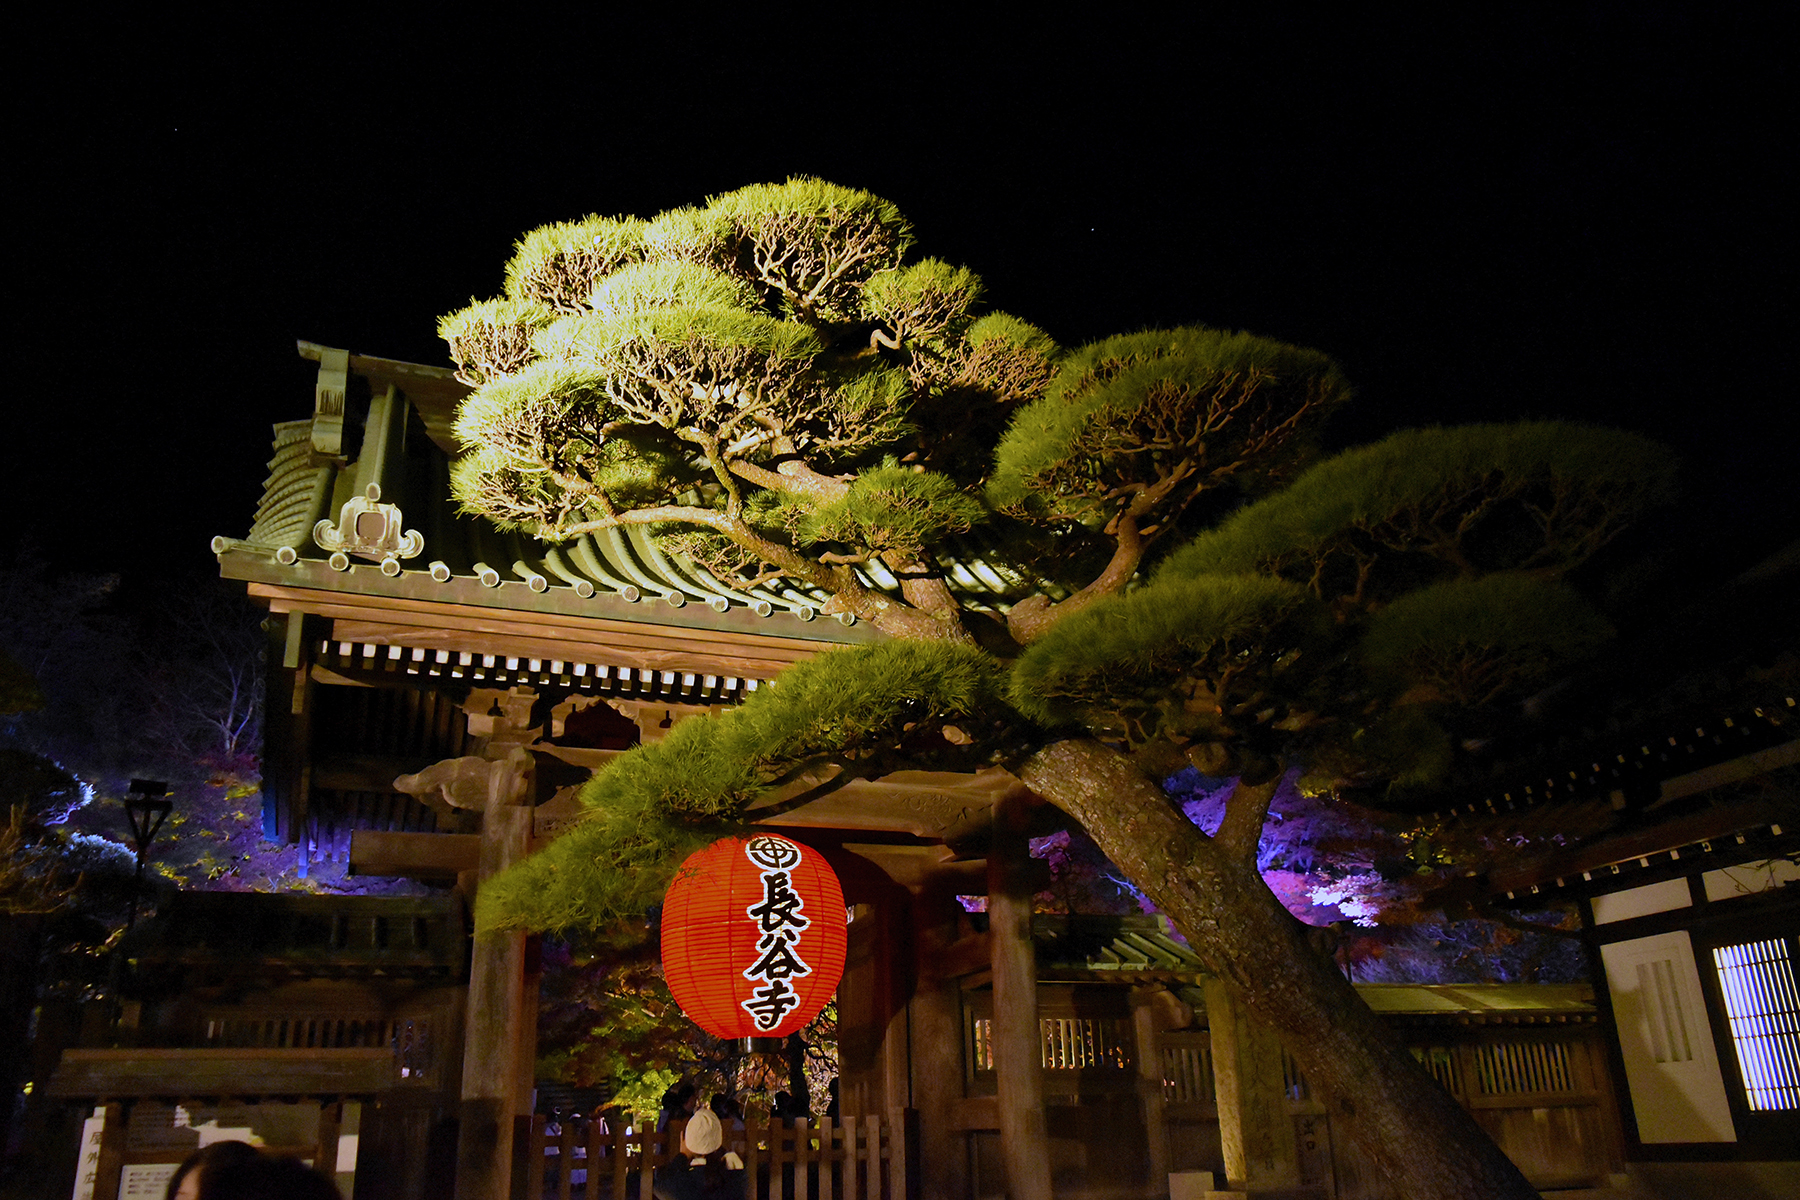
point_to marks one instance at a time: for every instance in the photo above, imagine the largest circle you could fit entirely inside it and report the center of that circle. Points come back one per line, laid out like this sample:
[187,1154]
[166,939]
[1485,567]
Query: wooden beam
[928,804]
[142,1072]
[429,856]
[587,624]
[552,627]
[364,772]
[965,956]
[974,1113]
[1708,825]
[639,653]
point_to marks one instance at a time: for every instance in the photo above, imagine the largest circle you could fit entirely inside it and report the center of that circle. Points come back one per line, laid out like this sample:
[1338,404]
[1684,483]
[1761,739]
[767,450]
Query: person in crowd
[268,1178]
[703,1167]
[184,1184]
[215,1173]
[677,1105]
[725,1107]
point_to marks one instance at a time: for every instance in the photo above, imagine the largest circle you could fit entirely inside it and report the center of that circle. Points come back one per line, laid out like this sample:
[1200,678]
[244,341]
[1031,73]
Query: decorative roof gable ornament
[370,529]
[328,401]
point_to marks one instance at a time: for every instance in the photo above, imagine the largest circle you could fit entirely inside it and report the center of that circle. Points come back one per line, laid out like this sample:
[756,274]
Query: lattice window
[1763,1007]
[1077,1043]
[410,1038]
[984,1044]
[1187,1074]
[1440,1061]
[1515,1067]
[1066,1043]
[1293,1080]
[414,1048]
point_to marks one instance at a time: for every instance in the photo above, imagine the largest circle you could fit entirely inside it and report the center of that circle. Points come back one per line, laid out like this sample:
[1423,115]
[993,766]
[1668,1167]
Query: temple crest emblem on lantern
[370,529]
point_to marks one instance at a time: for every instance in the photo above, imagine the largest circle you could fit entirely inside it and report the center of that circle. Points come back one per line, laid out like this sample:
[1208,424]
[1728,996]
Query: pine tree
[777,393]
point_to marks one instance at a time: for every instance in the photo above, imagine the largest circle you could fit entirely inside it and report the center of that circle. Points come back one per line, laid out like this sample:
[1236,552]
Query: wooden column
[1256,1129]
[1018,1048]
[287,727]
[1145,1026]
[497,1004]
[110,1162]
[936,1039]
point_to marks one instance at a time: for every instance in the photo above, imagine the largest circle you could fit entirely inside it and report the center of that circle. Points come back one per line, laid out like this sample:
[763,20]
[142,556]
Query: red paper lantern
[753,936]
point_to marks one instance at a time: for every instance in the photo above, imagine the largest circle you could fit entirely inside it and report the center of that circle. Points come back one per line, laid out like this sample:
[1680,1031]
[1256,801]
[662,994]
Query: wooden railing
[412,1037]
[856,1159]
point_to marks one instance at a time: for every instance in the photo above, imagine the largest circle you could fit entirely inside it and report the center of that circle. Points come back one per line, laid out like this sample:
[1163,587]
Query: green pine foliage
[492,338]
[868,695]
[674,343]
[923,303]
[1541,496]
[1467,642]
[668,283]
[894,508]
[813,243]
[696,235]
[1020,335]
[655,804]
[511,411]
[557,265]
[1007,361]
[778,319]
[1405,746]
[1183,639]
[772,389]
[611,868]
[861,412]
[1138,410]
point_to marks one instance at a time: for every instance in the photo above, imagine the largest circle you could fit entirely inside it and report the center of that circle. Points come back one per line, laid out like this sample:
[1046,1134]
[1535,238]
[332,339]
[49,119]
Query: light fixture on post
[147,806]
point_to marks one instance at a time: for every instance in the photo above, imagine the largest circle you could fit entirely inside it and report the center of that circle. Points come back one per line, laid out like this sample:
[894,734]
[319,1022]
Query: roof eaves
[252,564]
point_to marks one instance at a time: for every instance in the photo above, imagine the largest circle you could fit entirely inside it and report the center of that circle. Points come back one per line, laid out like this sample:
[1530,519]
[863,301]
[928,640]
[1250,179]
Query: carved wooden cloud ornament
[370,529]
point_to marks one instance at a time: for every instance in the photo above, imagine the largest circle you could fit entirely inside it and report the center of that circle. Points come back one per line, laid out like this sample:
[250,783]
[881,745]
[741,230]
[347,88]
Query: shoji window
[1762,1005]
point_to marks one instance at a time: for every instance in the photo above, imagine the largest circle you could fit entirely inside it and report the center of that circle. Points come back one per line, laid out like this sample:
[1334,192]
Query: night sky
[1583,213]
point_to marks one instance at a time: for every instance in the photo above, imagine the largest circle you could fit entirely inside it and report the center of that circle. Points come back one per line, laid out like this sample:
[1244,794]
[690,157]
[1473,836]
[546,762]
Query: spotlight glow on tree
[753,936]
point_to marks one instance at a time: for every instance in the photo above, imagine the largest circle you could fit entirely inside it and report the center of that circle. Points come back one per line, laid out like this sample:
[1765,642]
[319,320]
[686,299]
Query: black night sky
[1578,210]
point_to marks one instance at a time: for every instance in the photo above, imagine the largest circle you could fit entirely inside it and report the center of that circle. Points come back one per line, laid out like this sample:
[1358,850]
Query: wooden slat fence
[855,1159]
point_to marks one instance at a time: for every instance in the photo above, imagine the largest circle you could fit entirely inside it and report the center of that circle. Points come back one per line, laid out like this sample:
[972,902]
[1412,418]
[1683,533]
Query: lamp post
[147,806]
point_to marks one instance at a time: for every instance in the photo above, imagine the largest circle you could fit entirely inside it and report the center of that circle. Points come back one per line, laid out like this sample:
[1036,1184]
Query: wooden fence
[1541,1094]
[864,1158]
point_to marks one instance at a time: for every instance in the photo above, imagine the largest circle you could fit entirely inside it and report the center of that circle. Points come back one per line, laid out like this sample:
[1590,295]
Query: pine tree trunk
[1426,1145]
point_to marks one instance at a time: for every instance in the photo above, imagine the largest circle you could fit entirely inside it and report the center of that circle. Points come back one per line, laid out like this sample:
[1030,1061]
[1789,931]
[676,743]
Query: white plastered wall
[1671,1065]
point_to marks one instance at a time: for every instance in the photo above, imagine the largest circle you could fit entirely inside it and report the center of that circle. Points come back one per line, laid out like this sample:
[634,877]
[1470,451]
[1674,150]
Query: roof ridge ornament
[370,529]
[328,401]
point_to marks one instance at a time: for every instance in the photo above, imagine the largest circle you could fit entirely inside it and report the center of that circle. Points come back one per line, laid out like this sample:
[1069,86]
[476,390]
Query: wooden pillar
[109,1162]
[1018,1048]
[935,1017]
[287,727]
[497,1004]
[530,995]
[1145,1026]
[1256,1129]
